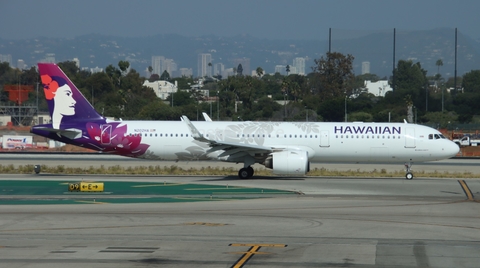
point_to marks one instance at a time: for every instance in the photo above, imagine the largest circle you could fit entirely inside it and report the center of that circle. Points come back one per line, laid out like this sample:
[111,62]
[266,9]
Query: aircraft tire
[243,173]
[409,176]
[251,171]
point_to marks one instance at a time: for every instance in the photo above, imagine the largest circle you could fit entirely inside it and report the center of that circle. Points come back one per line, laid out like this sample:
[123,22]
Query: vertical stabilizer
[65,102]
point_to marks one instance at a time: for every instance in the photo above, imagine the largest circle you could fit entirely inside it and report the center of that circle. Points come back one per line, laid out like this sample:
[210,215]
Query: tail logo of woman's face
[57,89]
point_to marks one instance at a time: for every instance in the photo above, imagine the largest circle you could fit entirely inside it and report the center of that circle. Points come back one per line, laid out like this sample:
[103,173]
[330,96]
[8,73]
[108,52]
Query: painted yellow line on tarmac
[261,245]
[467,190]
[246,256]
[254,250]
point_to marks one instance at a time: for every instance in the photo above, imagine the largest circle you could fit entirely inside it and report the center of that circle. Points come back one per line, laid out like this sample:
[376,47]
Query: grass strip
[217,171]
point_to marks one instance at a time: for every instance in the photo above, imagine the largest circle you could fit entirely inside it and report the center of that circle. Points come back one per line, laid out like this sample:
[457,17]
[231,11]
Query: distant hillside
[100,50]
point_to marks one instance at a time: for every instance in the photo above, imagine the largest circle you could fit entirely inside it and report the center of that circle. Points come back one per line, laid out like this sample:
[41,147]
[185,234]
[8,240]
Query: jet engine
[291,162]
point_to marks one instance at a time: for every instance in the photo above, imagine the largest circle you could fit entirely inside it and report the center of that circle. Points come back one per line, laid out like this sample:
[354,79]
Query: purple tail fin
[65,102]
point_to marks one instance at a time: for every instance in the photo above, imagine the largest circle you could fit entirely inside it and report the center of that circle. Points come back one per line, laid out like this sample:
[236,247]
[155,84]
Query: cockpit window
[430,136]
[437,136]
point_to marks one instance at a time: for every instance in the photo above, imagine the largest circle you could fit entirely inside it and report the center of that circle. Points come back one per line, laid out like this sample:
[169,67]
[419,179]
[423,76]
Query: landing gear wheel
[250,171]
[243,173]
[408,169]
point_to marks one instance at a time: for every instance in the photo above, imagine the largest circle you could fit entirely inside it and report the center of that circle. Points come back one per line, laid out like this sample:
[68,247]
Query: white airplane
[285,147]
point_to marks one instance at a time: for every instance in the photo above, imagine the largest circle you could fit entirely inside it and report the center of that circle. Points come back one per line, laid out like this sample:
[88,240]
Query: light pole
[415,117]
[442,95]
[346,119]
[218,105]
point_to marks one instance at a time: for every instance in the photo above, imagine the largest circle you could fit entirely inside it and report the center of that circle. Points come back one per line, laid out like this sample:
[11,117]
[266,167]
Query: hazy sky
[270,19]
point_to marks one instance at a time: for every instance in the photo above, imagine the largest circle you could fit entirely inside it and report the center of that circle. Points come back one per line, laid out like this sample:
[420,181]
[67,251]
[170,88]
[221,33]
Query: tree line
[325,94]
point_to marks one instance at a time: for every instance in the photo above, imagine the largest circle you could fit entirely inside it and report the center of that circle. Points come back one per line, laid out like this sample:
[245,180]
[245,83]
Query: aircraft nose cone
[451,149]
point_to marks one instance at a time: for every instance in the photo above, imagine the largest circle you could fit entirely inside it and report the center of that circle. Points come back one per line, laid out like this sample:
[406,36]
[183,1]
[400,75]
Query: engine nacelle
[292,162]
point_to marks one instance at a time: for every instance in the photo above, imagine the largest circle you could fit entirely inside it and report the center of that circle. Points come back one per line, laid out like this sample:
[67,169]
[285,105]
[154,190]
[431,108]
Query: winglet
[195,133]
[207,118]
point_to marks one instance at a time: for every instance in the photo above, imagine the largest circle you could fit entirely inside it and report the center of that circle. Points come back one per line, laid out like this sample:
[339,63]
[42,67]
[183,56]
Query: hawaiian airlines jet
[285,147]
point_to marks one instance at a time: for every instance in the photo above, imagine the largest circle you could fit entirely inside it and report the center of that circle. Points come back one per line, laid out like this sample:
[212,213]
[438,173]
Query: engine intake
[291,162]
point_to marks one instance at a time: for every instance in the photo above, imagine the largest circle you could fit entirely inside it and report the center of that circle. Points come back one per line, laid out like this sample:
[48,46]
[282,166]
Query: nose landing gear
[408,169]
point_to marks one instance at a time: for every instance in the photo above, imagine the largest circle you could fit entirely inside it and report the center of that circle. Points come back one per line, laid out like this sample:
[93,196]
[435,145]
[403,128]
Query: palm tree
[439,63]
[210,65]
[259,72]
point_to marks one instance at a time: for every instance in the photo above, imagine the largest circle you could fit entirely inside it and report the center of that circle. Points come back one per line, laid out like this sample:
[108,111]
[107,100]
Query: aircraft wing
[229,148]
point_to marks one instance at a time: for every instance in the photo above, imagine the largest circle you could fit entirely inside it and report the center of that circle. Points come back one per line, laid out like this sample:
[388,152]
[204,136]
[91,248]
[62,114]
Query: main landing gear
[245,173]
[408,168]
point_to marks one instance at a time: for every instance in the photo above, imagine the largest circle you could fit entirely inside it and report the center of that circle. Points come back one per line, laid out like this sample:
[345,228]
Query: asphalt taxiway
[316,222]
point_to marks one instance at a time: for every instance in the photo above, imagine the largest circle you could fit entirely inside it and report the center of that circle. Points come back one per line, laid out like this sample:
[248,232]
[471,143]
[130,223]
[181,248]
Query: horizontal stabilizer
[71,133]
